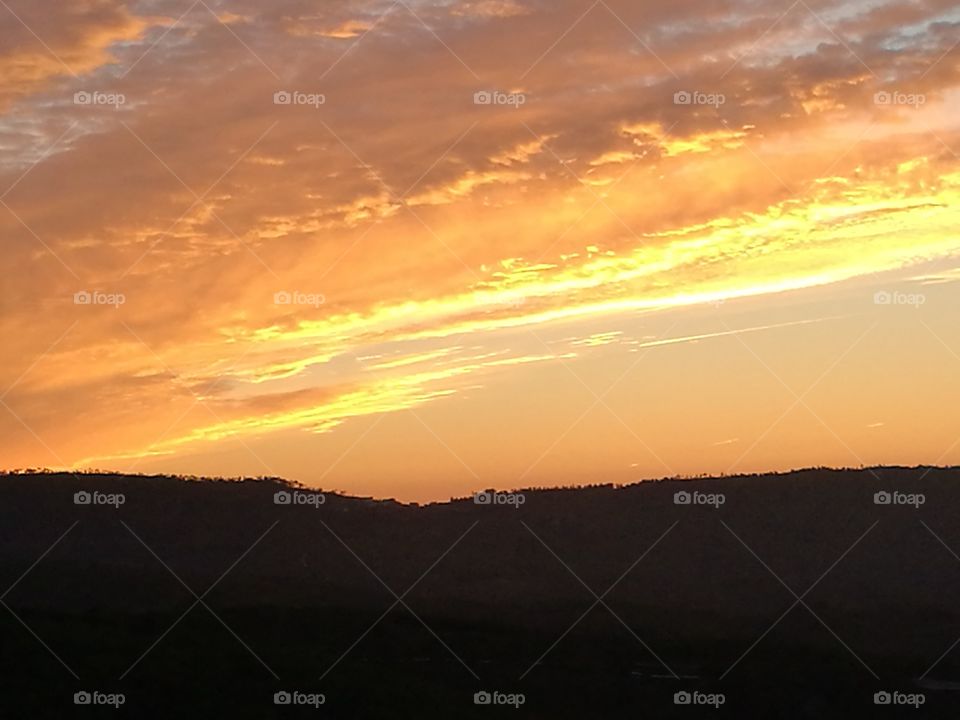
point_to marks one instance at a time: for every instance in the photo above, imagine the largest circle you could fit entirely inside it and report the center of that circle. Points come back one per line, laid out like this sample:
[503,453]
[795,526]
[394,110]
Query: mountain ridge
[759,586]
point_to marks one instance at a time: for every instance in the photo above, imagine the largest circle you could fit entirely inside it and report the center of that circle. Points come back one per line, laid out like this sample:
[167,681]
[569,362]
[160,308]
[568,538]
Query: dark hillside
[287,589]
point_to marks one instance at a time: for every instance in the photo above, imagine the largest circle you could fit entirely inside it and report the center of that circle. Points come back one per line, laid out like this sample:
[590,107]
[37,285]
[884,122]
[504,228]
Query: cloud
[490,8]
[420,215]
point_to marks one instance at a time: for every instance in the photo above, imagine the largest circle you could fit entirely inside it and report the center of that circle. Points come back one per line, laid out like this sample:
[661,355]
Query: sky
[415,249]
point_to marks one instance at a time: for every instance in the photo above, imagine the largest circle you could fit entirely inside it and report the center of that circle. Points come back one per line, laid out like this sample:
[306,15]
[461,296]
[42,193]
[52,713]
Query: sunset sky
[414,249]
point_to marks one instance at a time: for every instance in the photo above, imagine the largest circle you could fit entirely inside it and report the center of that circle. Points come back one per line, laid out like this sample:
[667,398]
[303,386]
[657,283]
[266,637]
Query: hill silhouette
[800,594]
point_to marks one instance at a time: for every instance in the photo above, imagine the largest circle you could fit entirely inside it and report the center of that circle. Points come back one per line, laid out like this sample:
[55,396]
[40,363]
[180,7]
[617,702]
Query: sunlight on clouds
[817,244]
[382,395]
[445,235]
[718,265]
[670,145]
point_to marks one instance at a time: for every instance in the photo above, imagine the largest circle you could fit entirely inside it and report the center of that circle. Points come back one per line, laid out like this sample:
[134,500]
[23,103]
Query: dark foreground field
[798,595]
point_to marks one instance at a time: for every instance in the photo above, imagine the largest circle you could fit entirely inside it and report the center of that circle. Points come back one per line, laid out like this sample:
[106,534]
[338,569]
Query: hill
[800,595]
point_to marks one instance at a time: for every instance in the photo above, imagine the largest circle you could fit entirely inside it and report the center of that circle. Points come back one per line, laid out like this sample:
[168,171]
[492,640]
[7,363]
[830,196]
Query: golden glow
[406,245]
